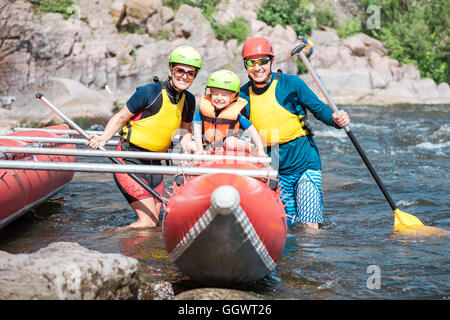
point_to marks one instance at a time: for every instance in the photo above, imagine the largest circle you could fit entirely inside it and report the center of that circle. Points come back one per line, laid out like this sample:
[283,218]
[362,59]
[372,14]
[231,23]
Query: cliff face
[91,62]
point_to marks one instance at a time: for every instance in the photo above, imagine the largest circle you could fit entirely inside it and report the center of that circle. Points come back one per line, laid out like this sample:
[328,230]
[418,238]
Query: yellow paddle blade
[408,224]
[405,220]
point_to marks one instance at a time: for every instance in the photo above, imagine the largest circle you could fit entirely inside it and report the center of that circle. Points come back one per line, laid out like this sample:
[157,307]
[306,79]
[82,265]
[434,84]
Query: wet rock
[159,290]
[215,294]
[67,271]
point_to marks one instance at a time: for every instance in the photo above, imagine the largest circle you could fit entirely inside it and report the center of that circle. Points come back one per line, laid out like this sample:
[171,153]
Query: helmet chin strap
[179,92]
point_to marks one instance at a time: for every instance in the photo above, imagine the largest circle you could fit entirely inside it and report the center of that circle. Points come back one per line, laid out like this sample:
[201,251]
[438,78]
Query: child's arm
[198,137]
[257,140]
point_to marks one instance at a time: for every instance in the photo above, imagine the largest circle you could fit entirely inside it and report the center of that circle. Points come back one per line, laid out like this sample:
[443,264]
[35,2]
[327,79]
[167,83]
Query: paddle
[41,97]
[402,220]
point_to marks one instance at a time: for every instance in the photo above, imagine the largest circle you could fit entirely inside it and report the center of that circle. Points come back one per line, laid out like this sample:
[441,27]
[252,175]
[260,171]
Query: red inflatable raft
[225,229]
[21,190]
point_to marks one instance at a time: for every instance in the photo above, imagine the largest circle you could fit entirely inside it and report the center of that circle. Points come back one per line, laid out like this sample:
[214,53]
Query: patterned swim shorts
[302,197]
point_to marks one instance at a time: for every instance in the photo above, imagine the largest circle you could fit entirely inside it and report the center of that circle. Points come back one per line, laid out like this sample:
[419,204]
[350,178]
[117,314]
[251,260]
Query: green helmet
[186,55]
[224,79]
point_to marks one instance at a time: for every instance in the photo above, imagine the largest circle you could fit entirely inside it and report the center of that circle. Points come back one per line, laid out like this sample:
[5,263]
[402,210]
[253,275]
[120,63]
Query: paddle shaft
[55,109]
[53,140]
[60,131]
[133,154]
[346,128]
[132,168]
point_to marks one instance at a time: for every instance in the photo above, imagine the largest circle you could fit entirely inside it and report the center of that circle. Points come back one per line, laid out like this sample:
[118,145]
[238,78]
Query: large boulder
[68,271]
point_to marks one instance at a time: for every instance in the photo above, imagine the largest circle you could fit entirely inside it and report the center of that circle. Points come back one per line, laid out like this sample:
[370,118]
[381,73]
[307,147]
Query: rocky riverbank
[89,64]
[68,271]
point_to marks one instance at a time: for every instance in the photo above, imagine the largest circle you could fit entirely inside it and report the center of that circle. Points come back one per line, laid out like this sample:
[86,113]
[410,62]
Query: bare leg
[147,212]
[311,225]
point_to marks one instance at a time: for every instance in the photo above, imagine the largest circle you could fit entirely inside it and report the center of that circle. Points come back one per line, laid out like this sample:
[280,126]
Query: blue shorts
[302,197]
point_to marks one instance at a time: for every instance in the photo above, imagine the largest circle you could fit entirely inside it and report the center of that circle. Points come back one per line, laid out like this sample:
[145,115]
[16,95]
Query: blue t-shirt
[292,93]
[243,121]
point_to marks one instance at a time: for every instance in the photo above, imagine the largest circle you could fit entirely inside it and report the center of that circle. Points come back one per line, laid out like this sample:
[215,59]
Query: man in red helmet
[277,107]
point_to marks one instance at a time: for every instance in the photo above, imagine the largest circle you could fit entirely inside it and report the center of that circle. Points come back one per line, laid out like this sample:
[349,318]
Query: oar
[402,220]
[41,97]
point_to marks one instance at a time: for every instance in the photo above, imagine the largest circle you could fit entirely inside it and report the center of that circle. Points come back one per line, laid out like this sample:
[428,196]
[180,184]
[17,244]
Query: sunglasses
[259,62]
[180,72]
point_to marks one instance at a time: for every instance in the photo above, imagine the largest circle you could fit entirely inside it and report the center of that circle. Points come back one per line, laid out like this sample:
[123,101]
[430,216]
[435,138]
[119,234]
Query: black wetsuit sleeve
[143,97]
[189,107]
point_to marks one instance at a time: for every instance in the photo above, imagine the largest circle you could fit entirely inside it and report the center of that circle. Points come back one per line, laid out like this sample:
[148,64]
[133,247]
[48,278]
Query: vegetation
[417,32]
[293,13]
[64,7]
[325,17]
[349,28]
[413,31]
[237,29]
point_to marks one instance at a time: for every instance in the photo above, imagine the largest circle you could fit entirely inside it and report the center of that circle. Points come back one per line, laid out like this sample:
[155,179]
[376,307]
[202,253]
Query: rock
[378,81]
[215,294]
[167,14]
[444,90]
[228,10]
[159,290]
[410,72]
[190,24]
[142,9]
[325,39]
[118,11]
[67,271]
[425,89]
[74,99]
[357,47]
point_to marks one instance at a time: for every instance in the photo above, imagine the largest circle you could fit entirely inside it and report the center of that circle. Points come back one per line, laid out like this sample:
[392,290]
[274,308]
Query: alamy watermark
[374,280]
[374,20]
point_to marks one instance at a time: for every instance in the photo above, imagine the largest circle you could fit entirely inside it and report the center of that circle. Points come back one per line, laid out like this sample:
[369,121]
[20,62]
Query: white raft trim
[209,215]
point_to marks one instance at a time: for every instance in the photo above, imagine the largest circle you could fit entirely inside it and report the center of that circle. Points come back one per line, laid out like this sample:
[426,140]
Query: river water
[355,255]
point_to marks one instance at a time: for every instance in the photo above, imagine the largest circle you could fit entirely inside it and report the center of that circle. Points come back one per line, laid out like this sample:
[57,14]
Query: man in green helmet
[147,122]
[219,120]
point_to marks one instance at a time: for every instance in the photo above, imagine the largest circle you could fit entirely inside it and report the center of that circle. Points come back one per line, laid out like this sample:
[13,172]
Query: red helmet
[257,46]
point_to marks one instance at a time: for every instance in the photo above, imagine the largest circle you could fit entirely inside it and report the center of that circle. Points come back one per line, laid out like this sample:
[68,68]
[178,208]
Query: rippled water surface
[408,146]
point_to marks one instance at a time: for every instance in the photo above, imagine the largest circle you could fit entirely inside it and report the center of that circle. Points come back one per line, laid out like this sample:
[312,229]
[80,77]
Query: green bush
[286,13]
[325,18]
[62,6]
[349,28]
[238,29]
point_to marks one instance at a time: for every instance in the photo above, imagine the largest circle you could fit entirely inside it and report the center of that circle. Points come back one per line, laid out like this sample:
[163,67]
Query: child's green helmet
[224,79]
[186,55]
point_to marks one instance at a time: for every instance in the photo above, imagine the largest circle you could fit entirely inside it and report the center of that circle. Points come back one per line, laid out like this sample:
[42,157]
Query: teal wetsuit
[299,160]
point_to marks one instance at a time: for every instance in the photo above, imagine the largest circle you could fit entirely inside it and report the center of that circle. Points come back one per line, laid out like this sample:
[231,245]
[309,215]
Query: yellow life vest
[217,128]
[275,124]
[154,133]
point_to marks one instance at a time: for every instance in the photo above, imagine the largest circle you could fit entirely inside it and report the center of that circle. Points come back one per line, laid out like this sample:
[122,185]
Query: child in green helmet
[219,121]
